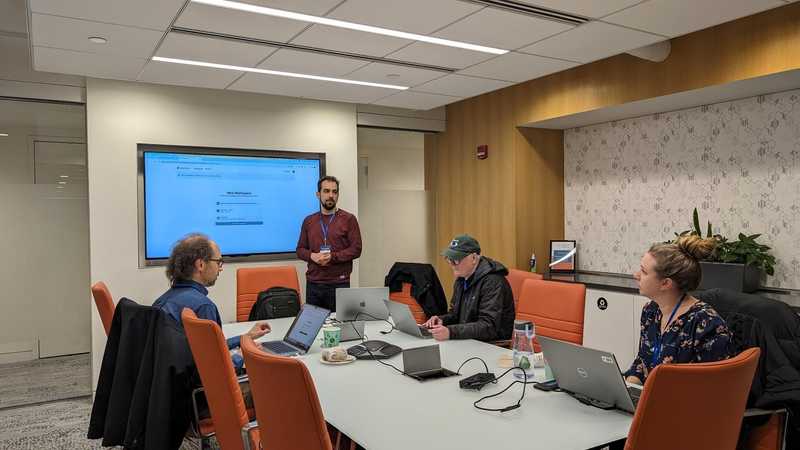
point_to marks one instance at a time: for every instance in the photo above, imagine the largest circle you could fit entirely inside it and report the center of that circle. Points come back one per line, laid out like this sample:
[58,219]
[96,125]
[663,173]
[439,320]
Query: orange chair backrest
[693,406]
[252,280]
[516,277]
[555,308]
[405,296]
[287,407]
[105,304]
[219,378]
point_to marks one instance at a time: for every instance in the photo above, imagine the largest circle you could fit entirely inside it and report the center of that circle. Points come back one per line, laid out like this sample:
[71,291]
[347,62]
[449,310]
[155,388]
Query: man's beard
[329,205]
[210,283]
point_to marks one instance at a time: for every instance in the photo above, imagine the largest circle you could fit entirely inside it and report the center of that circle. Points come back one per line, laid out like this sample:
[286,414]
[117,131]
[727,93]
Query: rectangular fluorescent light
[3,134]
[349,25]
[275,72]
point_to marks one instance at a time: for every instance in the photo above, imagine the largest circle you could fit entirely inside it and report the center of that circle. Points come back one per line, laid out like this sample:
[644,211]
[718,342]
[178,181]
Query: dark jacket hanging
[425,285]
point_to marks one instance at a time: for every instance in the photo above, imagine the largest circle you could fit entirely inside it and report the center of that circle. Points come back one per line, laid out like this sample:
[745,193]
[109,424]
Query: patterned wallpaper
[634,182]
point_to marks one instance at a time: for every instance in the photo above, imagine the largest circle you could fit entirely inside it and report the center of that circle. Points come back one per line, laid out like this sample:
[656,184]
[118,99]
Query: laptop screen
[306,326]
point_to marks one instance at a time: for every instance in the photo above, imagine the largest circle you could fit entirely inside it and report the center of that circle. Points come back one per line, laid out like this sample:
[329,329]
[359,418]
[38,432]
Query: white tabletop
[383,410]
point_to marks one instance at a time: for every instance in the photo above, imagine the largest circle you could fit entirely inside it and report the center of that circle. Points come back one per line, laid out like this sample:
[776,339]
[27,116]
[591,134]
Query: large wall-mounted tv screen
[251,202]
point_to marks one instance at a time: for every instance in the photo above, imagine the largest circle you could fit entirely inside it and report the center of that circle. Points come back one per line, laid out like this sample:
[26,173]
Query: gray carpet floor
[45,380]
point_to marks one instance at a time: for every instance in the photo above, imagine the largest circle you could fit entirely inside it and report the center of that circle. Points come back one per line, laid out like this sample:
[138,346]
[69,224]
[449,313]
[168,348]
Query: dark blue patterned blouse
[697,335]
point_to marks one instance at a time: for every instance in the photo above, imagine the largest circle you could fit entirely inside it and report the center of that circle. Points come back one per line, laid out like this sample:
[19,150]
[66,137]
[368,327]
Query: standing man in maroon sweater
[329,242]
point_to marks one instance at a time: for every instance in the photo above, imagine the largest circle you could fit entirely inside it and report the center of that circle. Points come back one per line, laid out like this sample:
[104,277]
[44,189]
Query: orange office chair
[404,296]
[105,304]
[693,406]
[286,401]
[516,277]
[230,419]
[555,308]
[252,280]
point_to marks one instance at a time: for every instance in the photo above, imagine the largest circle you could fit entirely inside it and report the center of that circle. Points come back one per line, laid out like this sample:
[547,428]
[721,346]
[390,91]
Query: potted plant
[738,265]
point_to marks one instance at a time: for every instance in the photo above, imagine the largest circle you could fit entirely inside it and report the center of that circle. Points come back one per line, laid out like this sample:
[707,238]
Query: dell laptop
[301,334]
[424,363]
[361,303]
[404,320]
[592,376]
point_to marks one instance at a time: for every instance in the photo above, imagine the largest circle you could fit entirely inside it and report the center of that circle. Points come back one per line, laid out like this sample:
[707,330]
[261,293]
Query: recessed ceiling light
[62,182]
[3,134]
[275,72]
[98,39]
[63,176]
[349,25]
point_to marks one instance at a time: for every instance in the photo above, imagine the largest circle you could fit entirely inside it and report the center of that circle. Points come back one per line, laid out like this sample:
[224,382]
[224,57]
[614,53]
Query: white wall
[122,114]
[44,237]
[396,212]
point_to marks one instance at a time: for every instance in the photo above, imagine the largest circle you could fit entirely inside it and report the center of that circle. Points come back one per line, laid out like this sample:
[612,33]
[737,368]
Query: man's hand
[440,332]
[634,380]
[432,322]
[321,258]
[259,329]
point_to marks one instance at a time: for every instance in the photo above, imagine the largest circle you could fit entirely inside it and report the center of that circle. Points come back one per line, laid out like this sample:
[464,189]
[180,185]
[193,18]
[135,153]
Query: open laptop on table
[592,376]
[301,334]
[369,301]
[404,320]
[424,363]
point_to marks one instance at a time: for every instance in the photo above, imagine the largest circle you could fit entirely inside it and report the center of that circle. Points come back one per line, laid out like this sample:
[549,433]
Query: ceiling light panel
[414,16]
[152,14]
[287,60]
[592,41]
[504,29]
[73,34]
[184,75]
[312,89]
[350,41]
[223,51]
[346,25]
[238,23]
[587,8]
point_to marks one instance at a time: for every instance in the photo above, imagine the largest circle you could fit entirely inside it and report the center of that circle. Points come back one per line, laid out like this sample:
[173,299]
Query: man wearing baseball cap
[482,306]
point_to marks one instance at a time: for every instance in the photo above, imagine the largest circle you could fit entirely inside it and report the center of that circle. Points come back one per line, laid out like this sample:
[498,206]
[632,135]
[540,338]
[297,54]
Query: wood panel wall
[513,202]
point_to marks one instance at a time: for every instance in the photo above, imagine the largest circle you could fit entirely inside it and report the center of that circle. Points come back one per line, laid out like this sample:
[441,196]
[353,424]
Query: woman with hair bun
[676,327]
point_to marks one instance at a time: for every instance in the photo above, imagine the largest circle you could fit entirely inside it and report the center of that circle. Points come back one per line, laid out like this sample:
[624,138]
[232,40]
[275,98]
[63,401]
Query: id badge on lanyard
[325,248]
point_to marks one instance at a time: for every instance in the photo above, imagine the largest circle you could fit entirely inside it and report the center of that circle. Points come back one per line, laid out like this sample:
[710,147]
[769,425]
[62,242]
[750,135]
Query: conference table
[382,409]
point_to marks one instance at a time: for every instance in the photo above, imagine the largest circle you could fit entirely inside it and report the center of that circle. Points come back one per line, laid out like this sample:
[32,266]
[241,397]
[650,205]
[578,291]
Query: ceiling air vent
[531,10]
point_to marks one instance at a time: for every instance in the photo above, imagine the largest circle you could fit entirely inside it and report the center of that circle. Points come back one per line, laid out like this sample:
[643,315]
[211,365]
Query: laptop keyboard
[635,394]
[279,347]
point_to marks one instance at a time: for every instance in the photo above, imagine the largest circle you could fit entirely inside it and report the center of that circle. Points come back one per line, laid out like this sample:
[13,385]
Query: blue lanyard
[325,227]
[657,344]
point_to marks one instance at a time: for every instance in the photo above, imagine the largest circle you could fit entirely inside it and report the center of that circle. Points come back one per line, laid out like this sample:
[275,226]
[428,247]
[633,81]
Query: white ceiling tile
[311,63]
[183,75]
[73,34]
[320,90]
[416,100]
[592,41]
[518,67]
[394,74]
[415,16]
[461,86]
[87,64]
[439,55]
[587,8]
[13,17]
[678,17]
[314,7]
[502,29]
[351,41]
[153,14]
[238,23]
[220,51]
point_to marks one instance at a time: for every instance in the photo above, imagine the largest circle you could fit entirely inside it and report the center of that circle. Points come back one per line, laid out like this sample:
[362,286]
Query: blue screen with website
[247,204]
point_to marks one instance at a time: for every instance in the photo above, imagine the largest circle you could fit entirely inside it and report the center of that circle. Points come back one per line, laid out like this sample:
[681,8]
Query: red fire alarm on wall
[483,152]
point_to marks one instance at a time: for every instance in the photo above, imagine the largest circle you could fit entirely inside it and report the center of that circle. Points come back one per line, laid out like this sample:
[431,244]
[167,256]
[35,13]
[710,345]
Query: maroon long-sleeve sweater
[344,237]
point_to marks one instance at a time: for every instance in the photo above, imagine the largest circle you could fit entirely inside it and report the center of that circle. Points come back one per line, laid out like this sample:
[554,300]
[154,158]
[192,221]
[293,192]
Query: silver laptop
[351,331]
[424,363]
[367,301]
[404,320]
[592,376]
[301,334]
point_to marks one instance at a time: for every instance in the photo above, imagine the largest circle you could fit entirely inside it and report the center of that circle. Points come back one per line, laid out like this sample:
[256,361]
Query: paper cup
[331,336]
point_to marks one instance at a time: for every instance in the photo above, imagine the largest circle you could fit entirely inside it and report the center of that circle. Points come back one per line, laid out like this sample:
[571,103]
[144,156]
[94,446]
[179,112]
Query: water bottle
[533,262]
[522,346]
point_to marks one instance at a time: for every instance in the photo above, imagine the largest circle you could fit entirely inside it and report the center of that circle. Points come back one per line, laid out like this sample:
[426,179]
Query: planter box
[736,277]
